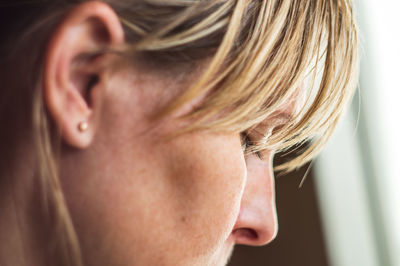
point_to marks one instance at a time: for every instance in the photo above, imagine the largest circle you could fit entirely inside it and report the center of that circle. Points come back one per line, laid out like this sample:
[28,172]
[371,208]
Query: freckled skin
[139,198]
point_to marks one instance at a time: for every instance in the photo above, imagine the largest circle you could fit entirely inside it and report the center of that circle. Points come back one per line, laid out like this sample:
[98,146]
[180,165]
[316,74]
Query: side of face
[136,196]
[149,194]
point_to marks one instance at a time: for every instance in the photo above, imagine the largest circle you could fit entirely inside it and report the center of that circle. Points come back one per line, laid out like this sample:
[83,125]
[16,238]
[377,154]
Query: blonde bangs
[265,52]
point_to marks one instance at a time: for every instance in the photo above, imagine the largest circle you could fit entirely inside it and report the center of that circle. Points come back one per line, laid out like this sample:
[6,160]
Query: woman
[142,132]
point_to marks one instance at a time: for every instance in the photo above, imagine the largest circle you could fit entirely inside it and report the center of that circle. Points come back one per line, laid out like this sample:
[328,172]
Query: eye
[247,143]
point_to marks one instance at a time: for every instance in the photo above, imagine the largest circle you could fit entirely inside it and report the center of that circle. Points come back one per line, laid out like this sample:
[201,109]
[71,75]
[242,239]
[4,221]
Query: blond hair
[264,51]
[260,52]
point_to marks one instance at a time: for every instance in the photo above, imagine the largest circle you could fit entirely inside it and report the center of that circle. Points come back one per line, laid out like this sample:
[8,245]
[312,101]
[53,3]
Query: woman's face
[139,198]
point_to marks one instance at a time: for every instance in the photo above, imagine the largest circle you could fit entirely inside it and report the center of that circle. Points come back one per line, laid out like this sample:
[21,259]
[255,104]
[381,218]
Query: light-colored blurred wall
[358,175]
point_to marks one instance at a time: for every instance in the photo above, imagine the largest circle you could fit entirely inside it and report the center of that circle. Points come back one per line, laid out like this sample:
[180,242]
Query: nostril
[253,237]
[245,234]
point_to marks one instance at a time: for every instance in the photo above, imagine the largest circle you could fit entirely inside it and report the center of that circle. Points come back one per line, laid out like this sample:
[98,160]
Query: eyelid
[255,135]
[272,125]
[263,137]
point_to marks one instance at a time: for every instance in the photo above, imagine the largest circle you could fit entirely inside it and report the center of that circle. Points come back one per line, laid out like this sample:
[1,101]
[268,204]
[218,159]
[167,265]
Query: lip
[230,242]
[230,246]
[231,239]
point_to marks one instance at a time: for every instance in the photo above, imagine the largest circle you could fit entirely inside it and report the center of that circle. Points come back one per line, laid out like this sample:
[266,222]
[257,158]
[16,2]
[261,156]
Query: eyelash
[247,143]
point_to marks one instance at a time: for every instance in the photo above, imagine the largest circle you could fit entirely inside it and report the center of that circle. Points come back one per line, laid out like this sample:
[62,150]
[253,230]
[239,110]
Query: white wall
[359,177]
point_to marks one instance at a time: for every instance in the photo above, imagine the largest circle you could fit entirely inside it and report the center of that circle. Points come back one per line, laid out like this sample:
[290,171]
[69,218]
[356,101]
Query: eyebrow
[280,118]
[274,120]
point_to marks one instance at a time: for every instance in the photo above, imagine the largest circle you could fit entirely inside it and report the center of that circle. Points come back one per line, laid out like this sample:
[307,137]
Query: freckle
[183,219]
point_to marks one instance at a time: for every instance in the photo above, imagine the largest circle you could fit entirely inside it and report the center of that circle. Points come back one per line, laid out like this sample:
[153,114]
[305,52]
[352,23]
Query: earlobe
[71,78]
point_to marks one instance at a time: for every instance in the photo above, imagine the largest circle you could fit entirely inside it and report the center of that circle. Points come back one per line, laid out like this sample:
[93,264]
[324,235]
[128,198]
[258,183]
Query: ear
[71,81]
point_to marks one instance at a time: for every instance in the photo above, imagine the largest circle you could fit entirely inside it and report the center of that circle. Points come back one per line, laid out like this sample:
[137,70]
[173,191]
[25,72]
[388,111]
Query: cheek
[182,195]
[206,175]
[132,193]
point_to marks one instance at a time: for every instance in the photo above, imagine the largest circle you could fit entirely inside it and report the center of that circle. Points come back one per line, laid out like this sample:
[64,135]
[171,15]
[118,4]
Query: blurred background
[347,211]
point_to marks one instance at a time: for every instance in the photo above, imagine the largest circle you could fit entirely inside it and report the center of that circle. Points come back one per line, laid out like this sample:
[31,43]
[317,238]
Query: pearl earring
[83,126]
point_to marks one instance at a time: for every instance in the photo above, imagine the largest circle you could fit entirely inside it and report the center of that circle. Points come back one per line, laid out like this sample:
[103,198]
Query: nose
[257,223]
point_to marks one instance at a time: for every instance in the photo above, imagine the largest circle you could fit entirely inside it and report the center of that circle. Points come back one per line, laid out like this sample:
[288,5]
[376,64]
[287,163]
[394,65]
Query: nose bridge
[257,221]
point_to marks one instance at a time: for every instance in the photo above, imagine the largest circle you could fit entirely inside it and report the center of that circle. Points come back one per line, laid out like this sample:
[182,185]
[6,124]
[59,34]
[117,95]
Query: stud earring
[83,126]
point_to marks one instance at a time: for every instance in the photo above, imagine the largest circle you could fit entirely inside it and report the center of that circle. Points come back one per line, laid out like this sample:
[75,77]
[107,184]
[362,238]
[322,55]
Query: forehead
[171,87]
[289,111]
